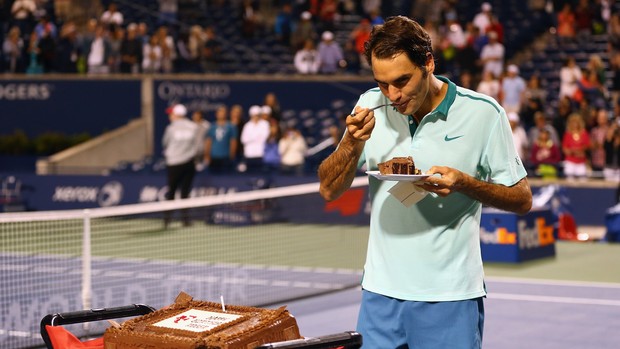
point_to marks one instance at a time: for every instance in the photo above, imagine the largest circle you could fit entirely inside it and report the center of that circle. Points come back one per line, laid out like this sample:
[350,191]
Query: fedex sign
[507,237]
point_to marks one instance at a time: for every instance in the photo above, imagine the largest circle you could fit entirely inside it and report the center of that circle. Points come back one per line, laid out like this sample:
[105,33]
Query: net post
[86,262]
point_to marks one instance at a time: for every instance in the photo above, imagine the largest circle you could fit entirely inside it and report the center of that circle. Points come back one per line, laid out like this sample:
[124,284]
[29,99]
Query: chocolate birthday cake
[190,324]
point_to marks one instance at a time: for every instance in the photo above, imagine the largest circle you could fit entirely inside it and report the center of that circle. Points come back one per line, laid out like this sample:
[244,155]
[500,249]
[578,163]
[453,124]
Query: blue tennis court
[520,314]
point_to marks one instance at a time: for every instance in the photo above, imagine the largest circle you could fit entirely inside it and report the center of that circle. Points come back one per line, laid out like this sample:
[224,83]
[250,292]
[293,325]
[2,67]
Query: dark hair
[399,34]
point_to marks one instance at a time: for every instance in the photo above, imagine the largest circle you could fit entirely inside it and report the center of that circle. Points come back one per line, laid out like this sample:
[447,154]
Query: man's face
[402,82]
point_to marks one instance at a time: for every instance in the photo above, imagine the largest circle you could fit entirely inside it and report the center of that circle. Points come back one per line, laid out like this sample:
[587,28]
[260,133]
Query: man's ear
[430,63]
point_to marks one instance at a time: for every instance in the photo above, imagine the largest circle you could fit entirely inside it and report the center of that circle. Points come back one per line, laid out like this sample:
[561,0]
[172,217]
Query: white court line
[550,299]
[552,282]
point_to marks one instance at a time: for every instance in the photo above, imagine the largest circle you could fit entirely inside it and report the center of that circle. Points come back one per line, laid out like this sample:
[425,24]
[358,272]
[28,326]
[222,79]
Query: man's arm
[336,173]
[516,198]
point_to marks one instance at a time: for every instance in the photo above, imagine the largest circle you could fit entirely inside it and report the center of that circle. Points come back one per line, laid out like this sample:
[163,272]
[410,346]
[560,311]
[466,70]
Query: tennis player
[423,283]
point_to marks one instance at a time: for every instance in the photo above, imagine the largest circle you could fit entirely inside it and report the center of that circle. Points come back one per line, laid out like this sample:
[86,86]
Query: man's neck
[436,93]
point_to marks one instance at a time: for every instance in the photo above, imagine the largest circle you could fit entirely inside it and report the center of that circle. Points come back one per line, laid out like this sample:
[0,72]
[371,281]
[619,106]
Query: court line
[551,282]
[551,299]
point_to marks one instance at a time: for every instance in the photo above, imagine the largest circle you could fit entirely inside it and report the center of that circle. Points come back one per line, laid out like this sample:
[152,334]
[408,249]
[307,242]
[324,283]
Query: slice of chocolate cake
[399,165]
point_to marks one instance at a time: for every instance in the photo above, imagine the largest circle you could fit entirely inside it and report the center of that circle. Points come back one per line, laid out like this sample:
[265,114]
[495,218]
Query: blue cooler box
[508,237]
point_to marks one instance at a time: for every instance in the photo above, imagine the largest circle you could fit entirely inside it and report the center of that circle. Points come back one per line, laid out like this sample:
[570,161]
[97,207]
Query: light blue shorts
[390,323]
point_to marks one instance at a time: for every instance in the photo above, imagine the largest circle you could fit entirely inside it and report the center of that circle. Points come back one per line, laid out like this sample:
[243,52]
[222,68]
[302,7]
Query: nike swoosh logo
[448,139]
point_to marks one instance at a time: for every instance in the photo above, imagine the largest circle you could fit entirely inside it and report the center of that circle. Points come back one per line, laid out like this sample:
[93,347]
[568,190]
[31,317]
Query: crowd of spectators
[262,144]
[472,52]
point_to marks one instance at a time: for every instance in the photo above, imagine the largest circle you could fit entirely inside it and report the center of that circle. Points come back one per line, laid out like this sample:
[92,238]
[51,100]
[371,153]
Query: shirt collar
[447,101]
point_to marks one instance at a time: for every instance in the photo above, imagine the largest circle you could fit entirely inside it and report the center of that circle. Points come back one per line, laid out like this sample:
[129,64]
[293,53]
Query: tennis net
[253,248]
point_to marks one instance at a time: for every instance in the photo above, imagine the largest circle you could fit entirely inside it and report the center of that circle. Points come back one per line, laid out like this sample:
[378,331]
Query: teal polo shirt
[431,250]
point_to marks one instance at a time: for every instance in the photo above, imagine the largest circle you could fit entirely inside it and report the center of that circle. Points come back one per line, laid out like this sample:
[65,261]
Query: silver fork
[373,108]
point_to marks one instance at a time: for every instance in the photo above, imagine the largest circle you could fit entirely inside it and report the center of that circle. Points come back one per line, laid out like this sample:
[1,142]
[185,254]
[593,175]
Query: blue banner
[70,106]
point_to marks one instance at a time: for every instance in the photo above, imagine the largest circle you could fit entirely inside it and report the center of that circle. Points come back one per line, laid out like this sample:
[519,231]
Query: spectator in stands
[570,74]
[545,155]
[492,56]
[47,49]
[513,88]
[23,15]
[143,33]
[238,120]
[330,54]
[34,66]
[466,79]
[534,89]
[328,12]
[203,128]
[117,35]
[467,56]
[519,137]
[250,18]
[611,144]
[482,20]
[131,51]
[353,59]
[359,35]
[152,56]
[283,26]
[596,64]
[271,158]
[575,146]
[271,101]
[168,10]
[489,85]
[168,49]
[46,27]
[211,51]
[112,17]
[307,59]
[590,89]
[540,124]
[563,111]
[292,148]
[67,49]
[254,137]
[303,31]
[99,52]
[584,14]
[597,138]
[566,24]
[12,51]
[265,113]
[497,27]
[179,146]
[529,110]
[221,143]
[375,17]
[189,47]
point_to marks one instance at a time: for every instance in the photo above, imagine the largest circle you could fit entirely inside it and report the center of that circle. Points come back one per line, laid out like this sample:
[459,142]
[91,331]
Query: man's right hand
[361,125]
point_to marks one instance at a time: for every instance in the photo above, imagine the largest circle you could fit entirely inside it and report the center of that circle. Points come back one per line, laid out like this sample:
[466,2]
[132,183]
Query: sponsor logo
[170,91]
[528,237]
[25,91]
[448,139]
[109,194]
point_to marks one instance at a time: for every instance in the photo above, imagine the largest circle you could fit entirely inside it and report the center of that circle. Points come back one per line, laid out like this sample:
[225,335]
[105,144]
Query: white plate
[397,177]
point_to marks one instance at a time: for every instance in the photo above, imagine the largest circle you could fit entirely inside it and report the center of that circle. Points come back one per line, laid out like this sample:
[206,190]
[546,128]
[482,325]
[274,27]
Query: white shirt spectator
[570,74]
[112,16]
[307,60]
[492,56]
[482,20]
[254,136]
